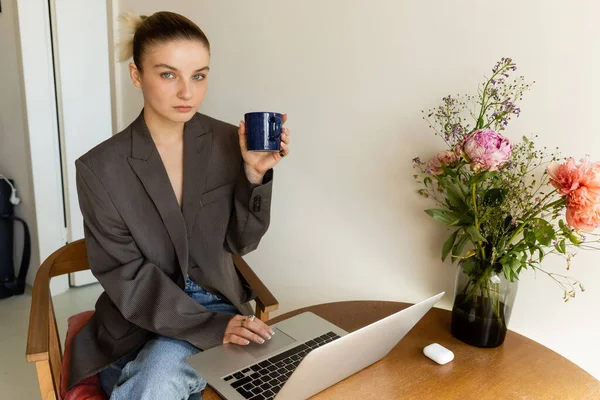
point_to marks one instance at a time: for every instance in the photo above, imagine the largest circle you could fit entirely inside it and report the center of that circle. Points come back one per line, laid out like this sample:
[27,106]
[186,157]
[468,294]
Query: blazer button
[256,205]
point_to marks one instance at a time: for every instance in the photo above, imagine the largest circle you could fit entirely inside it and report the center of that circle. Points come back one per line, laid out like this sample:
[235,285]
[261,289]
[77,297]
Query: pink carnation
[565,177]
[584,218]
[486,150]
[581,184]
[443,158]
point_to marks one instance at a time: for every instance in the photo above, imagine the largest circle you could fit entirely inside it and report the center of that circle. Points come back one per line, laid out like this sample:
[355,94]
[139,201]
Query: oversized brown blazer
[141,244]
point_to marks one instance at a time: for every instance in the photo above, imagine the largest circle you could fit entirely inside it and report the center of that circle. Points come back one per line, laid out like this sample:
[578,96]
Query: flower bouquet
[504,204]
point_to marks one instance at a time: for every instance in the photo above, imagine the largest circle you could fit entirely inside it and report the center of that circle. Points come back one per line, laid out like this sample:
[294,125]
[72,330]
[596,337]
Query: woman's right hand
[242,329]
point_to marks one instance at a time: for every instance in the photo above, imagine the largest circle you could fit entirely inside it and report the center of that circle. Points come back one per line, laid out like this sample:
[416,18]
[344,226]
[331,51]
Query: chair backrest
[43,341]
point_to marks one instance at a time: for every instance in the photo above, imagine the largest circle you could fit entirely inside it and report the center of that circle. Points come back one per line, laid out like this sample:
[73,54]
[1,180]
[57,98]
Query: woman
[165,202]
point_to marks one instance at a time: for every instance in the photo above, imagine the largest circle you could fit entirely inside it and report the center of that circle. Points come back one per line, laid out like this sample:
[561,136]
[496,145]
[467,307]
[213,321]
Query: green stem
[457,181]
[479,124]
[527,216]
[474,196]
[476,285]
[482,285]
[524,223]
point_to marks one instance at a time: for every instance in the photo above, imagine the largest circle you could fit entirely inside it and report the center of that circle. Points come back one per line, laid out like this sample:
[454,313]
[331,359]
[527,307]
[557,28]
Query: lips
[183,108]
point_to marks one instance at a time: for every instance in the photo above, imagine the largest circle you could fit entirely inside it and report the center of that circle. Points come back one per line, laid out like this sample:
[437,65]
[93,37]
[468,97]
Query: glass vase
[483,302]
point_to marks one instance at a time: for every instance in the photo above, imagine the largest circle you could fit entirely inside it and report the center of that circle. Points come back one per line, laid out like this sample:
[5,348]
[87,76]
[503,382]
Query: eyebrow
[175,69]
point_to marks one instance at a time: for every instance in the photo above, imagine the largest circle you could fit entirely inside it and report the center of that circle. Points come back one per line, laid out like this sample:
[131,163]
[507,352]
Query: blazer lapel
[196,157]
[147,164]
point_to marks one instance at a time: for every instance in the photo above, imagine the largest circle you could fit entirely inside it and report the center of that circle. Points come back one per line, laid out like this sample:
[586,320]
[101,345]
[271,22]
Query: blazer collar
[148,166]
[142,145]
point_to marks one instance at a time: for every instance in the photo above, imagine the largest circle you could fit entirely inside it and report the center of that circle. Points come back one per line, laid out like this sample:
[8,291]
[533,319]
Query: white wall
[44,154]
[14,145]
[84,96]
[29,139]
[353,76]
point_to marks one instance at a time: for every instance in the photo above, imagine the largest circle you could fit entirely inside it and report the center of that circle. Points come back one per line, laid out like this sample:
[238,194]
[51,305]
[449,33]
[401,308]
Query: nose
[185,90]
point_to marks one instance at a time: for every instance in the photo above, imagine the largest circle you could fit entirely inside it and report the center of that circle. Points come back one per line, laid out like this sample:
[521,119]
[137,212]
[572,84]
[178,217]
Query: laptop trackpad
[278,341]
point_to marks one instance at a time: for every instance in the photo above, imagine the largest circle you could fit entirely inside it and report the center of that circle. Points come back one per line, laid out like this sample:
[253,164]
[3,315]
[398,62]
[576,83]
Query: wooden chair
[43,342]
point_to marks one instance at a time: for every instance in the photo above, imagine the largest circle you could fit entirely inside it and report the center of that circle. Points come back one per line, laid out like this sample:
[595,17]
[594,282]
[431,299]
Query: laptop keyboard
[263,380]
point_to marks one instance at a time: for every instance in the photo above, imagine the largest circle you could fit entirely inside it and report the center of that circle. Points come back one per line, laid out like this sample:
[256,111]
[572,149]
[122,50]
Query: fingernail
[261,340]
[268,337]
[247,342]
[272,332]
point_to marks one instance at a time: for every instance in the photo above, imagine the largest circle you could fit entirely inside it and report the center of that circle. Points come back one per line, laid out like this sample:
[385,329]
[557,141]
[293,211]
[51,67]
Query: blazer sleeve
[141,291]
[251,213]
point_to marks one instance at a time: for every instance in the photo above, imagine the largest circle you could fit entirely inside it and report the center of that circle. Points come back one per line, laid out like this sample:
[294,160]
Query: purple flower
[486,150]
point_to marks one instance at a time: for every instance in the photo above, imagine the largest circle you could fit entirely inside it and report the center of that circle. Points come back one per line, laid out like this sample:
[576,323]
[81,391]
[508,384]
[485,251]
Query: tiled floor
[18,380]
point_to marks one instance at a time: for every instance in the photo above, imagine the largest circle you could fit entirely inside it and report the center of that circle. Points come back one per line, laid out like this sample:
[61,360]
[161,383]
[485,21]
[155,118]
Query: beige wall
[353,76]
[14,145]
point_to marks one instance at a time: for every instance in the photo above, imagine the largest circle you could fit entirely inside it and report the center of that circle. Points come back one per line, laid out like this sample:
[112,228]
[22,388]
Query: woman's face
[173,80]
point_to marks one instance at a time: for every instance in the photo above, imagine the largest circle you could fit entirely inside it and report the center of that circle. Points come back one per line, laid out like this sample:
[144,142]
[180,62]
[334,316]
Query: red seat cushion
[89,388]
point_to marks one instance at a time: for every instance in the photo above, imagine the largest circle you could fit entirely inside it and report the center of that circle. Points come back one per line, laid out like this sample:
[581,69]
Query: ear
[135,75]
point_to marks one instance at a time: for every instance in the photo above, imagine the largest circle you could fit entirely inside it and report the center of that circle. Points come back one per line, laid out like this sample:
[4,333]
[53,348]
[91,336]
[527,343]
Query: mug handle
[274,129]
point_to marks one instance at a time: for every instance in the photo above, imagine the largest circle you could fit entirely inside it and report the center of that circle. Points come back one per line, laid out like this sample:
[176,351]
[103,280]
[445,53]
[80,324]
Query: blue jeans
[158,369]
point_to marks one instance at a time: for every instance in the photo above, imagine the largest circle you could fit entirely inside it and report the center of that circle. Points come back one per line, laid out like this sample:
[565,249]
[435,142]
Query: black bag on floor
[10,286]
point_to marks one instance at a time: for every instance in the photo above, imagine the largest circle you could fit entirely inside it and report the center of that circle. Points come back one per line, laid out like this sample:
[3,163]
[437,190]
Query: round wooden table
[519,369]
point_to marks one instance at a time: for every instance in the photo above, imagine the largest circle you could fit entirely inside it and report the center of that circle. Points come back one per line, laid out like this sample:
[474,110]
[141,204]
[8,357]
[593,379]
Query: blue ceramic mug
[263,131]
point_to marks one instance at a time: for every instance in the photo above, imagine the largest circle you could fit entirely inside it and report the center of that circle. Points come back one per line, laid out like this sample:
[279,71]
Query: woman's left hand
[257,163]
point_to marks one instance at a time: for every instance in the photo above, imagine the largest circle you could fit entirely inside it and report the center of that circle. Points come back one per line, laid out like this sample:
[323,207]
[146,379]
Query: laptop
[306,355]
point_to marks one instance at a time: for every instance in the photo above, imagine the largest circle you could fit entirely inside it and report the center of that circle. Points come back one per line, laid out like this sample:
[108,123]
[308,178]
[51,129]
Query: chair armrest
[38,345]
[67,259]
[265,299]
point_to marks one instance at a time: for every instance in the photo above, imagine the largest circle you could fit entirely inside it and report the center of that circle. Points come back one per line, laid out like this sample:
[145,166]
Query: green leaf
[455,196]
[510,273]
[506,271]
[519,250]
[427,181]
[563,226]
[501,244]
[512,261]
[573,238]
[515,264]
[529,237]
[544,231]
[459,246]
[445,216]
[452,218]
[561,246]
[475,234]
[507,223]
[469,266]
[481,176]
[494,197]
[523,265]
[511,266]
[448,244]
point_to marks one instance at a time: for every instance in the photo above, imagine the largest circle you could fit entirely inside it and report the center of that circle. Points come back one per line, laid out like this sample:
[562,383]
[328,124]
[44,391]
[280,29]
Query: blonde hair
[131,23]
[140,31]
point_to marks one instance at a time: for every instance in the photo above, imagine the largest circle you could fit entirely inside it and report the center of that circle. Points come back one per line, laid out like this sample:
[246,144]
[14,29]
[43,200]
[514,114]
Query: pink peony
[443,158]
[486,150]
[581,184]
